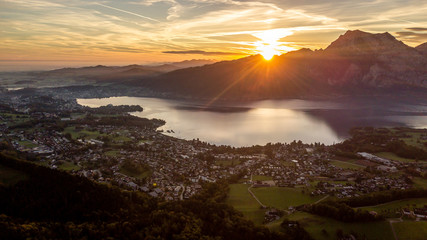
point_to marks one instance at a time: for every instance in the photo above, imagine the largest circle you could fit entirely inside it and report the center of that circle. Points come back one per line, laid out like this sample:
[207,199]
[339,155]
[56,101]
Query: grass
[86,134]
[389,209]
[414,139]
[77,115]
[15,116]
[27,144]
[315,224]
[14,119]
[112,153]
[410,230]
[283,198]
[261,178]
[288,163]
[227,163]
[392,156]
[420,182]
[141,175]
[346,165]
[72,131]
[9,176]
[68,166]
[120,138]
[242,201]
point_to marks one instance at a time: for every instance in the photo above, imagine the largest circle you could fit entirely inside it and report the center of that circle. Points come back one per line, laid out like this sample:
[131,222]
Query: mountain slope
[243,79]
[422,48]
[356,62]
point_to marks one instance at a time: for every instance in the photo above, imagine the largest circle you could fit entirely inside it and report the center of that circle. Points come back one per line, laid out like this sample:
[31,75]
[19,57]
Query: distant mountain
[112,73]
[357,62]
[192,63]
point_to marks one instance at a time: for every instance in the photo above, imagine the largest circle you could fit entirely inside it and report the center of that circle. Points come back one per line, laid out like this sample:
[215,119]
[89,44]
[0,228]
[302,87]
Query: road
[181,196]
[253,195]
[391,221]
[318,201]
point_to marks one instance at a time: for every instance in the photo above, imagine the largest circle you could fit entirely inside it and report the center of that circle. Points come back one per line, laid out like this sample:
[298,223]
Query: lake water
[273,121]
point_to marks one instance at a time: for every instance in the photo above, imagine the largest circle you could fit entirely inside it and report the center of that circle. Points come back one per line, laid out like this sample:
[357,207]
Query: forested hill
[50,204]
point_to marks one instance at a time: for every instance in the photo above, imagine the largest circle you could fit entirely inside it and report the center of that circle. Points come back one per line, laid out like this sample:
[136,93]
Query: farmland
[242,201]
[283,198]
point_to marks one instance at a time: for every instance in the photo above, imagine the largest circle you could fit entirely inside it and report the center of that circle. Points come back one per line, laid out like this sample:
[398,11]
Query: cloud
[85,28]
[200,52]
[417,29]
[131,13]
[412,36]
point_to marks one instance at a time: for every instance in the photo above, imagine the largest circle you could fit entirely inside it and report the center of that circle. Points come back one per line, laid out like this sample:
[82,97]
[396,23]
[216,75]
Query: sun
[267,51]
[269,44]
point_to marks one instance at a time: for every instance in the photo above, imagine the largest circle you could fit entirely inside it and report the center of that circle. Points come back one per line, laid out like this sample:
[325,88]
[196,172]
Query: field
[68,166]
[346,165]
[120,138]
[315,225]
[15,117]
[82,133]
[410,230]
[261,178]
[227,163]
[392,156]
[27,144]
[242,201]
[420,182]
[389,209]
[112,153]
[283,198]
[141,175]
[10,176]
[414,138]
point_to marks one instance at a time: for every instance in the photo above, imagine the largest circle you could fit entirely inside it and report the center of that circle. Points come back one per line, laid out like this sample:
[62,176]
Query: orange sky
[77,32]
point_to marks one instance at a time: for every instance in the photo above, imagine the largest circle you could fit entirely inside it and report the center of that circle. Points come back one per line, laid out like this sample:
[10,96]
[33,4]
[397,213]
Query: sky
[85,32]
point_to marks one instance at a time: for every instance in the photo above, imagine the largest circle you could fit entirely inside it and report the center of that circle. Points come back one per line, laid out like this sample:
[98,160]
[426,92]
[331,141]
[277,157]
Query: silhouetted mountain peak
[356,41]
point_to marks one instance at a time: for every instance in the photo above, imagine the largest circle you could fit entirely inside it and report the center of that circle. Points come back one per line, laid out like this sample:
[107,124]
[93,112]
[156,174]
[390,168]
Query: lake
[260,122]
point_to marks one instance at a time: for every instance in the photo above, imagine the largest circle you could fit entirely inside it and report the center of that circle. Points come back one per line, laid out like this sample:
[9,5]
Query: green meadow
[242,201]
[283,198]
[410,230]
[322,228]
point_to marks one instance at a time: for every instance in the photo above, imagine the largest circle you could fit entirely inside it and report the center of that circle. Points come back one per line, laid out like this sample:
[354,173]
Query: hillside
[51,204]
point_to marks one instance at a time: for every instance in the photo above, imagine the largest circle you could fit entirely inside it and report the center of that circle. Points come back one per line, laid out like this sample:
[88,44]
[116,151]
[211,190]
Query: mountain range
[357,62]
[116,74]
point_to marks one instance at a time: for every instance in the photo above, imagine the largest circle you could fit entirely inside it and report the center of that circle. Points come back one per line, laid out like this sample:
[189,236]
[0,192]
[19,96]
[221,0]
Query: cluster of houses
[178,167]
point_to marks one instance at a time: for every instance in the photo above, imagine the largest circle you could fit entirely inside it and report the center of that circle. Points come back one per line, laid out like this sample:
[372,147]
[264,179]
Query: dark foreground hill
[356,63]
[51,204]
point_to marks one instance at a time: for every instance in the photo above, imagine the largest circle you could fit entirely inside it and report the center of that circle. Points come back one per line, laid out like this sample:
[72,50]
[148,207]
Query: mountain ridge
[113,73]
[357,61]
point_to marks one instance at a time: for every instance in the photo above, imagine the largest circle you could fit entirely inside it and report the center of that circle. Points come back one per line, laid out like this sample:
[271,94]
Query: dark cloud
[417,29]
[412,36]
[200,52]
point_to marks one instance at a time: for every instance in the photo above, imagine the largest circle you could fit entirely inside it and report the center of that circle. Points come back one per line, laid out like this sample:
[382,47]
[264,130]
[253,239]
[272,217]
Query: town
[62,134]
[110,146]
